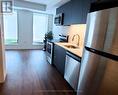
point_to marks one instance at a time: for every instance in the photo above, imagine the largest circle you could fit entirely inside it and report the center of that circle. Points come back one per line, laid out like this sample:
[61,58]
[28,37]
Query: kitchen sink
[71,46]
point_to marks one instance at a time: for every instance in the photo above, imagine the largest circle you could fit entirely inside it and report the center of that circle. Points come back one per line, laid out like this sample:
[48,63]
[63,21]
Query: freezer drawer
[71,74]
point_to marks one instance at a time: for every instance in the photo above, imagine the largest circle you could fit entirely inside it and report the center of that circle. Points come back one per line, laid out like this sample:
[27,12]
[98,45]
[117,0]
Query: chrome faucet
[78,38]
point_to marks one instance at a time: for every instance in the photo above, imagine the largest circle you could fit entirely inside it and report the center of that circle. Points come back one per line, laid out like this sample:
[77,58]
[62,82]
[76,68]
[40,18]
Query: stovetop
[62,38]
[56,40]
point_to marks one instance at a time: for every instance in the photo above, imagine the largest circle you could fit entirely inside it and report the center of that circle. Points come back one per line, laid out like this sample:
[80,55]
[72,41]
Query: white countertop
[77,51]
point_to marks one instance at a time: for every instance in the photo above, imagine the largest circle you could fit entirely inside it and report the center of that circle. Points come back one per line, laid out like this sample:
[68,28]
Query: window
[40,27]
[10,29]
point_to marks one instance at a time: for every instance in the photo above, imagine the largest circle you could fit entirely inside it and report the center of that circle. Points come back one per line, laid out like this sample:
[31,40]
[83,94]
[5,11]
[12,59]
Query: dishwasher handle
[78,58]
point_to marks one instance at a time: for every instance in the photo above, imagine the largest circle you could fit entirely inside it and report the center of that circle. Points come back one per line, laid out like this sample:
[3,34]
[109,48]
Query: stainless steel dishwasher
[72,67]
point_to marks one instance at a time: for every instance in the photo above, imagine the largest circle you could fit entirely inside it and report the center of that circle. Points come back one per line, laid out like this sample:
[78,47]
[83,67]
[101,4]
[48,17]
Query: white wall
[2,52]
[79,29]
[60,30]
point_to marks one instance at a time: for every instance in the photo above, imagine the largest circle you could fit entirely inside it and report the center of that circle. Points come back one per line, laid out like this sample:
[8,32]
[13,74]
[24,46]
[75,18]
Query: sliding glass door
[10,29]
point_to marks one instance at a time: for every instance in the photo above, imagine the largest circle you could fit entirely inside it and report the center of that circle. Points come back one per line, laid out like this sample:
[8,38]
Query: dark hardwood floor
[28,73]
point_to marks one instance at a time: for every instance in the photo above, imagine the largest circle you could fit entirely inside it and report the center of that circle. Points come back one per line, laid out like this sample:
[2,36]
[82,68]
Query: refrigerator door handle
[108,55]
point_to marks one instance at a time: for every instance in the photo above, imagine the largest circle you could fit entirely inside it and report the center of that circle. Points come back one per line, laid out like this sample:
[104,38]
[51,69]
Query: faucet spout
[78,38]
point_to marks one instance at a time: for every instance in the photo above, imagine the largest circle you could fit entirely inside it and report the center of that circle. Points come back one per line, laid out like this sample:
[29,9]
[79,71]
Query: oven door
[49,50]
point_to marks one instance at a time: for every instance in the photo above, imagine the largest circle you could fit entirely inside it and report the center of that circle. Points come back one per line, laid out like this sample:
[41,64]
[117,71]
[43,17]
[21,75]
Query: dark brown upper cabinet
[67,10]
[75,11]
[103,4]
[80,10]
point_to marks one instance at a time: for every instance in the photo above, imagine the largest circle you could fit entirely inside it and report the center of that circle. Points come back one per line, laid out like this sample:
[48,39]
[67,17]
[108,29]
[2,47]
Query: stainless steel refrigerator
[99,66]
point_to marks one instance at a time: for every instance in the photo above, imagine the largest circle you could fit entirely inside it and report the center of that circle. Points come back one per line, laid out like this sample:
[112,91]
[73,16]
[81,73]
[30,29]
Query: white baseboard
[24,47]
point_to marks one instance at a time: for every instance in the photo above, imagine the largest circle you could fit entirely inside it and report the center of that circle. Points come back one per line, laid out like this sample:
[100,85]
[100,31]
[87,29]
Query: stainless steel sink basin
[71,46]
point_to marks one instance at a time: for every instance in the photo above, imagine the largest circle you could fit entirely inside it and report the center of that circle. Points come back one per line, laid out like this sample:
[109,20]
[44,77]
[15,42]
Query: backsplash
[72,30]
[80,30]
[60,30]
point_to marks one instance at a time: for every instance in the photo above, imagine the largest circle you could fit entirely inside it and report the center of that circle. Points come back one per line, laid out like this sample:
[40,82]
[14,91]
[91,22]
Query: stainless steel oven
[49,51]
[50,46]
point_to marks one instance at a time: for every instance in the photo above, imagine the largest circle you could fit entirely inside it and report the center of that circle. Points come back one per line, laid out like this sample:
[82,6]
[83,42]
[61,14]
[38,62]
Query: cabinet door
[66,9]
[75,11]
[80,10]
[59,58]
[93,1]
[67,14]
[103,4]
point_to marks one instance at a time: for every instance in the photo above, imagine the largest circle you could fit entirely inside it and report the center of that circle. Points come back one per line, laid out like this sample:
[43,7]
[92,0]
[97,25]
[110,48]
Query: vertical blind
[40,27]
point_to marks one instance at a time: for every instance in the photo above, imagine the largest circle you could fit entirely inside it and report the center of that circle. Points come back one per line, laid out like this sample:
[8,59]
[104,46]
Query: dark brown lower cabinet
[59,58]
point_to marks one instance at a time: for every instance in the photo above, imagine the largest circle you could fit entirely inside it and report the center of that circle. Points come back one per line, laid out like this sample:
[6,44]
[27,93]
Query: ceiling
[49,3]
